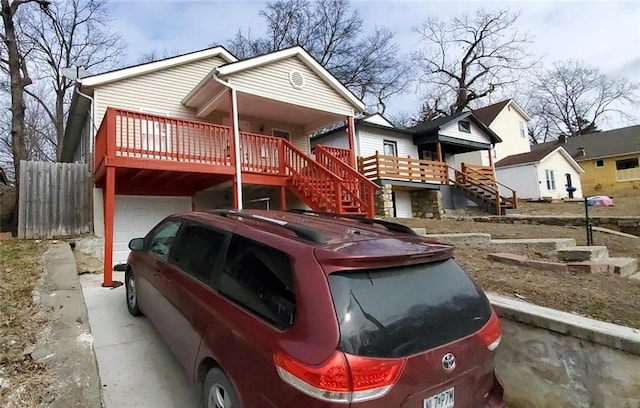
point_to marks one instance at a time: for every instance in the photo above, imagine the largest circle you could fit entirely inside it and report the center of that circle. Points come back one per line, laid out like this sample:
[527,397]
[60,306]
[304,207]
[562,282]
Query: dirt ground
[604,297]
[23,382]
[624,205]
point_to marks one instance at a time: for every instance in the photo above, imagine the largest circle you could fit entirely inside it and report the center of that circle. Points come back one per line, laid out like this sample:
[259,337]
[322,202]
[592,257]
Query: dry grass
[23,381]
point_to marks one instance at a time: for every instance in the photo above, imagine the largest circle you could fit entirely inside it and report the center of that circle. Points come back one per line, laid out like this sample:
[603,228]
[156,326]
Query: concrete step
[583,253]
[635,276]
[623,266]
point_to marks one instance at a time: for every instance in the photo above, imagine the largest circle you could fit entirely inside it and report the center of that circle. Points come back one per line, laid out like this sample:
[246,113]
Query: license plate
[442,400]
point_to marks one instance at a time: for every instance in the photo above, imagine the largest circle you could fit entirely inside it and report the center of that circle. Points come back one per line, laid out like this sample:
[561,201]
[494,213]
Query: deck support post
[351,134]
[283,198]
[490,158]
[109,208]
[237,178]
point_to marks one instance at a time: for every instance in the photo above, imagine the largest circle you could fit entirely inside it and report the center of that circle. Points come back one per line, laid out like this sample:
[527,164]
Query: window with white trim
[523,130]
[600,163]
[390,148]
[551,181]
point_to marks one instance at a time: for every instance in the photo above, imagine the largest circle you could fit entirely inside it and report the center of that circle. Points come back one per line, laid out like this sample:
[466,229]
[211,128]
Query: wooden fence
[54,200]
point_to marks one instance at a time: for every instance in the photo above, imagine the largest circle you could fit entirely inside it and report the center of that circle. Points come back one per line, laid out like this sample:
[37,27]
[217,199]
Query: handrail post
[281,165]
[338,196]
[111,132]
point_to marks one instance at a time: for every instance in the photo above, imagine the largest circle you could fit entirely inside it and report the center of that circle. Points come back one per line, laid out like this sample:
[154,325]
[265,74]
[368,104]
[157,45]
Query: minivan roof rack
[391,226]
[301,232]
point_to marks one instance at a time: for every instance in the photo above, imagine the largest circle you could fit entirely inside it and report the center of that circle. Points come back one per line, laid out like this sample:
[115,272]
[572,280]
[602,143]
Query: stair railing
[356,185]
[483,177]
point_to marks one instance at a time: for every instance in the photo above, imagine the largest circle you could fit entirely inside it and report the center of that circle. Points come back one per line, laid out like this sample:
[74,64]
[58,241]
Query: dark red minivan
[299,309]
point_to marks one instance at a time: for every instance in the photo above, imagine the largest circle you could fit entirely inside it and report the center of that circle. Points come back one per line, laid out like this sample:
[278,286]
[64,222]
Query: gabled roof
[148,67]
[304,56]
[435,125]
[536,156]
[614,142]
[361,122]
[488,114]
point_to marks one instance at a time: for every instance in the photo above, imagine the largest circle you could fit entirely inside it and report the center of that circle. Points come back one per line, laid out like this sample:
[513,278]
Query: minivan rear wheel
[131,294]
[218,391]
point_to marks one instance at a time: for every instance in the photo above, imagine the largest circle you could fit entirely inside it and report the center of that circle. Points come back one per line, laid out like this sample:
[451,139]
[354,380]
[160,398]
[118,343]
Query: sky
[602,33]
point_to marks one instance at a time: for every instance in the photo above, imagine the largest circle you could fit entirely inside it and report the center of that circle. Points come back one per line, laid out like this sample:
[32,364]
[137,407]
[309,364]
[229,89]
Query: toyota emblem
[448,362]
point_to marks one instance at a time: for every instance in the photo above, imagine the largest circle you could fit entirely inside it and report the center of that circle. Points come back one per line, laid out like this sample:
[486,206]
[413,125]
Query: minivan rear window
[401,311]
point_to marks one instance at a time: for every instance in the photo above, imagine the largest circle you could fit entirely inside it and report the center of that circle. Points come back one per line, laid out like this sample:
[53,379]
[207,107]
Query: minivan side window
[162,238]
[259,279]
[196,251]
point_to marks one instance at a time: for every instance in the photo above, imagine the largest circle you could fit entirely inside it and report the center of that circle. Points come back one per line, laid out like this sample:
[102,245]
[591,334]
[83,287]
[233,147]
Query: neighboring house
[411,164]
[509,121]
[610,159]
[203,131]
[545,172]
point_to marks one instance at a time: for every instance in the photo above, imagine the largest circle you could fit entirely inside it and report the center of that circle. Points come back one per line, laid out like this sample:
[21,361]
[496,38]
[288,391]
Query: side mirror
[136,244]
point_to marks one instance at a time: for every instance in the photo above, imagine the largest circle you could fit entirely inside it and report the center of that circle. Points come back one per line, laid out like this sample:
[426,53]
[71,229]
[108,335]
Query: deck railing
[126,133]
[481,174]
[402,168]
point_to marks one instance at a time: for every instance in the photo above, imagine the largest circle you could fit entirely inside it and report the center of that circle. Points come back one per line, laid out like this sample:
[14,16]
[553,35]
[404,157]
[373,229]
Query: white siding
[560,166]
[402,204]
[523,179]
[476,134]
[161,90]
[272,81]
[479,157]
[507,126]
[338,139]
[372,140]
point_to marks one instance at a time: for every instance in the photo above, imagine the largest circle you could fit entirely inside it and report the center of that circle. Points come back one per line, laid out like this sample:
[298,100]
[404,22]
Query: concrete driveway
[136,367]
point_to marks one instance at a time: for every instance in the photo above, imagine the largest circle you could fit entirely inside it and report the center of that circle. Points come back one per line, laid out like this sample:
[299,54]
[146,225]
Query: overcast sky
[602,33]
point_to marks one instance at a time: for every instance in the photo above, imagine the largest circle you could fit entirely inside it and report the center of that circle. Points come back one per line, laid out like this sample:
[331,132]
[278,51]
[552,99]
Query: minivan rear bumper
[495,396]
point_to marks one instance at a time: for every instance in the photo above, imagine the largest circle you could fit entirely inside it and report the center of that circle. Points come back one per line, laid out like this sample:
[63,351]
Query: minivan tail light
[342,378]
[491,333]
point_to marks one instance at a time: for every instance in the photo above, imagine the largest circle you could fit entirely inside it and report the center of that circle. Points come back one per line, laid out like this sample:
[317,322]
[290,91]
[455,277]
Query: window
[390,148]
[551,181]
[627,164]
[495,153]
[154,131]
[523,130]
[259,279]
[285,134]
[438,298]
[600,163]
[464,126]
[196,251]
[162,238]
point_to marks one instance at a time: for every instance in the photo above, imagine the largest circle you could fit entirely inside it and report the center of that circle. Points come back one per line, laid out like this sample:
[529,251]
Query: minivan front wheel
[131,294]
[218,391]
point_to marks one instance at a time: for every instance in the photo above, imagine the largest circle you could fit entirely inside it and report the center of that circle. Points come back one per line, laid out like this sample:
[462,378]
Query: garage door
[403,204]
[136,215]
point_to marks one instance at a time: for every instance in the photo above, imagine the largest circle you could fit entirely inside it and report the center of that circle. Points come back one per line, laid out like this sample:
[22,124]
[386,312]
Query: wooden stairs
[328,184]
[478,183]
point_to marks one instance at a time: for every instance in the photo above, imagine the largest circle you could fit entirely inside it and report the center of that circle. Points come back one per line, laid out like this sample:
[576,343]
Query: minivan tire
[218,392]
[131,290]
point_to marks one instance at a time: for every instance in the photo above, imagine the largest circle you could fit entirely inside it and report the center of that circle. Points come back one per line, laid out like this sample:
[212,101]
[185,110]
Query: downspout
[91,114]
[236,133]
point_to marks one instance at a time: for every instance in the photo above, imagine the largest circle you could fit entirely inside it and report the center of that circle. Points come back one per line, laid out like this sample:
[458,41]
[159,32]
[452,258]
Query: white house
[509,121]
[410,163]
[543,172]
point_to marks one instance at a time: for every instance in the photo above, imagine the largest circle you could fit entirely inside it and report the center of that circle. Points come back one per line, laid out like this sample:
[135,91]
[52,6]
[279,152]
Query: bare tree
[369,65]
[71,32]
[155,55]
[468,58]
[573,98]
[13,60]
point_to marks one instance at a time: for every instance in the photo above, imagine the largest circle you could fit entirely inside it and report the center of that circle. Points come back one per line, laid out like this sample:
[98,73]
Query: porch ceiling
[213,96]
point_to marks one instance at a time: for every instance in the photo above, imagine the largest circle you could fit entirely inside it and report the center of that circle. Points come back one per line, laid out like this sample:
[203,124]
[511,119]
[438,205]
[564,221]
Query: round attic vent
[296,79]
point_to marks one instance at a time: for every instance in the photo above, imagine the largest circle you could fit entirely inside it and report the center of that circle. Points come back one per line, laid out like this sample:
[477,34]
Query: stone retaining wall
[550,358]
